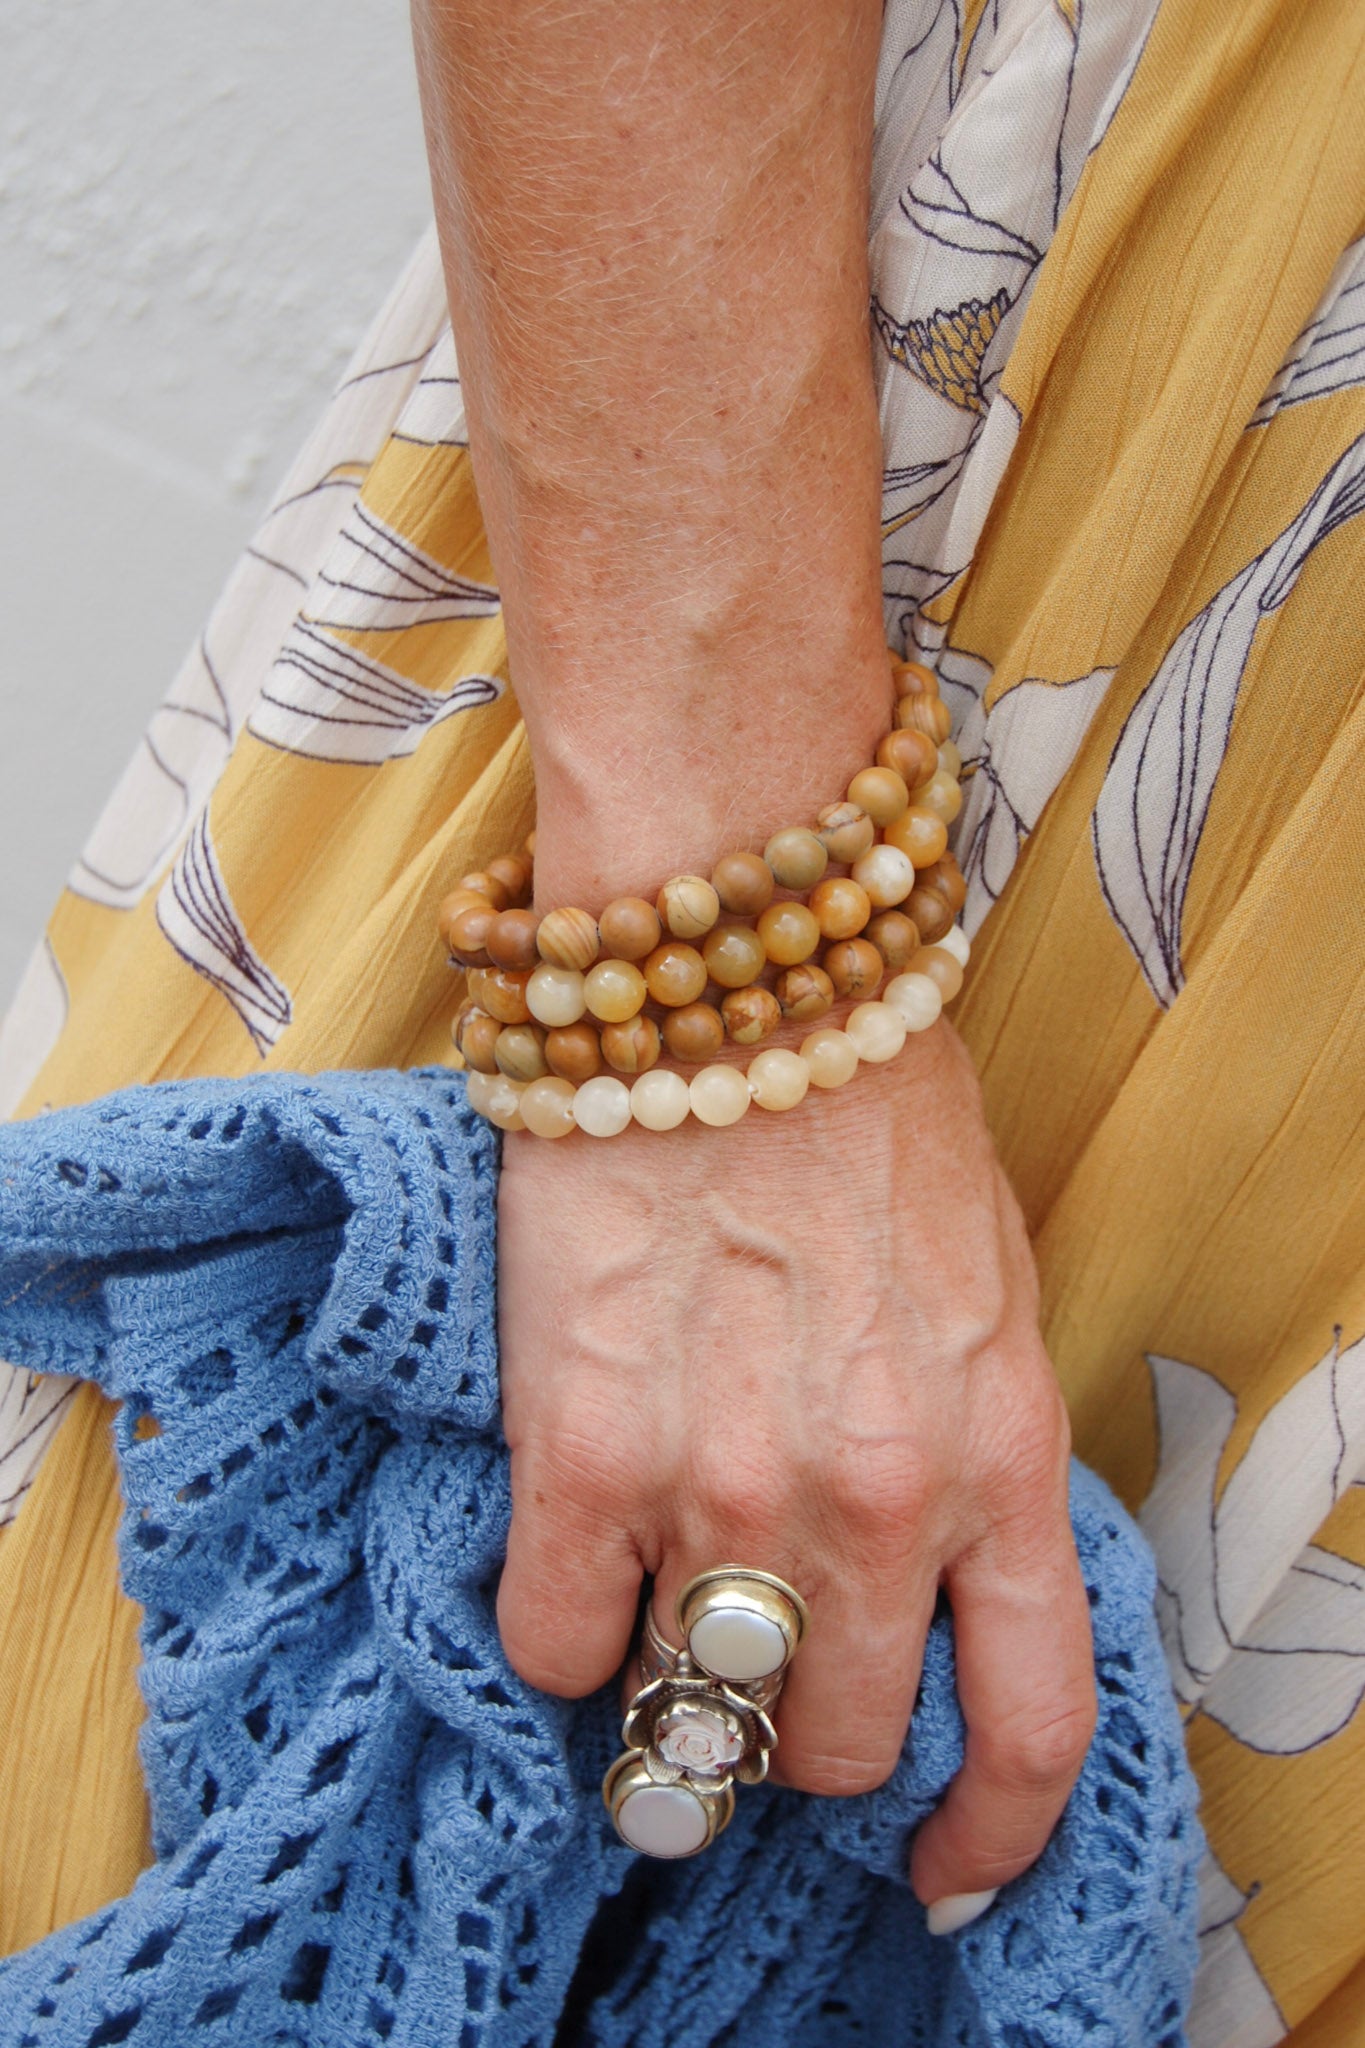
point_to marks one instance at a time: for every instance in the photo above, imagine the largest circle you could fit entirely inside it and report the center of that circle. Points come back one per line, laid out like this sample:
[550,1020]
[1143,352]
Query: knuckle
[879,1489]
[1032,1439]
[538,1655]
[837,1777]
[737,1488]
[533,1659]
[1039,1756]
[575,1465]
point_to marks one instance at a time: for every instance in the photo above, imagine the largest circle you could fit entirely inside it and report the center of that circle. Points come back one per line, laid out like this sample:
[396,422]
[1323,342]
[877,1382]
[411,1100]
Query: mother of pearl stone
[663,1820]
[736,1643]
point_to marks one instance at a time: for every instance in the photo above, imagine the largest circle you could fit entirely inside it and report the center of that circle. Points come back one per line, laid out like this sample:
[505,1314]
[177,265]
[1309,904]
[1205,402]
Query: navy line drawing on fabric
[1150,815]
[332,703]
[198,918]
[1328,355]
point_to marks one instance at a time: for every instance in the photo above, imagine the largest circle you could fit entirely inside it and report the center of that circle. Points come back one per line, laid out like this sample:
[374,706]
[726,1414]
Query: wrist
[731,751]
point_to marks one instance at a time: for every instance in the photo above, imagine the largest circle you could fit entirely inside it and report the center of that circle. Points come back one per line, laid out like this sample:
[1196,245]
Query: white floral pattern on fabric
[1264,1630]
[961,221]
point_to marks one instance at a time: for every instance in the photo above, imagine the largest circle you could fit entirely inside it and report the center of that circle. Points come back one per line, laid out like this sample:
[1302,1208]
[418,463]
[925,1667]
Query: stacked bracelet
[553,1000]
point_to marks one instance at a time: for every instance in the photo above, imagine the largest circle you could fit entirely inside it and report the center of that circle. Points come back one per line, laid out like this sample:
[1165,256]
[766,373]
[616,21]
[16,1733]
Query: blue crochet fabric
[368,1829]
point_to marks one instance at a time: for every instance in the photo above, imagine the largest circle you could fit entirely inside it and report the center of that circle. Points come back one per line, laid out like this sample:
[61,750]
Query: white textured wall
[201,206]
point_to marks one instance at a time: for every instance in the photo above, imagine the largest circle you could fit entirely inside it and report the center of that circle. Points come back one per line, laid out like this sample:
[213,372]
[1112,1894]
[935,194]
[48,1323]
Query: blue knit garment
[368,1829]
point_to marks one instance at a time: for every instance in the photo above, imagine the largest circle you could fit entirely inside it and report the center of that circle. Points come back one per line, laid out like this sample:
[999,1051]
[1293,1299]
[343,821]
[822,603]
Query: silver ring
[700,1722]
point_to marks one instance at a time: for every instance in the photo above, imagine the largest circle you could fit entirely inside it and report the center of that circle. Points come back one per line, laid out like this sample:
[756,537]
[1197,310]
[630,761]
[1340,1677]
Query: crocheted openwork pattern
[368,1829]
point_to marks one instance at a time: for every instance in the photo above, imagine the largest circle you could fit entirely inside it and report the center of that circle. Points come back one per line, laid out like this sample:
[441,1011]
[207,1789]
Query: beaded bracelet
[545,1009]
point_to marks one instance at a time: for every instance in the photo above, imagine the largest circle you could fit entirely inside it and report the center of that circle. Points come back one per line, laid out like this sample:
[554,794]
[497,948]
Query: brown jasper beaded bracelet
[551,1000]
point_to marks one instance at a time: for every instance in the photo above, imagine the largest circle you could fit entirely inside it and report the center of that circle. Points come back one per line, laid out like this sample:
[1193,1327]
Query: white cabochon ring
[740,1625]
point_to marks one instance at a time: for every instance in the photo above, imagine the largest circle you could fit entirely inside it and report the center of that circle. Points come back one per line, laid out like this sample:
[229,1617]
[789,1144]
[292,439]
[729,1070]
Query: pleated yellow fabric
[1136,565]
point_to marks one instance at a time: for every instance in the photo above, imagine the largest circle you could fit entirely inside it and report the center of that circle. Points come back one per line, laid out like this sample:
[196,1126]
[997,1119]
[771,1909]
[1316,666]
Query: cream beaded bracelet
[551,999]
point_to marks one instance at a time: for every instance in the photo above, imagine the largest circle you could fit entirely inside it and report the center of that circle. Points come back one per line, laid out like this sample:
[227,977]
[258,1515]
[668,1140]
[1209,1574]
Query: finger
[844,1711]
[1026,1681]
[845,1707]
[570,1587]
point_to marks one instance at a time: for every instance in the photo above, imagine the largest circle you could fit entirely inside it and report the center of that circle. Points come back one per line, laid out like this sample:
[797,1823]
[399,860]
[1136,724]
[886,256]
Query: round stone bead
[796,857]
[664,1820]
[466,931]
[511,940]
[887,874]
[916,999]
[913,755]
[630,928]
[694,1033]
[476,1034]
[956,942]
[947,877]
[831,1056]
[554,995]
[497,1098]
[751,1014]
[789,933]
[675,973]
[854,967]
[574,1053]
[450,907]
[520,1052]
[632,1047]
[568,938]
[735,1644]
[688,906]
[942,967]
[895,937]
[719,1095]
[601,1107]
[805,992]
[877,1031]
[514,871]
[488,886]
[841,906]
[743,882]
[921,835]
[845,831]
[614,990]
[734,955]
[930,912]
[942,796]
[950,760]
[881,792]
[547,1107]
[660,1101]
[501,992]
[778,1079]
[913,679]
[927,715]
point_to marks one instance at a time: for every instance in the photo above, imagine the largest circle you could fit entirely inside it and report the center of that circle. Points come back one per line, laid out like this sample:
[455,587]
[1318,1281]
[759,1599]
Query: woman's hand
[807,1343]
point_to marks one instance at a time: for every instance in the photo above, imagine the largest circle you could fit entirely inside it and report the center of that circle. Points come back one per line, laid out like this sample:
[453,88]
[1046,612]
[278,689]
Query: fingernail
[959,1909]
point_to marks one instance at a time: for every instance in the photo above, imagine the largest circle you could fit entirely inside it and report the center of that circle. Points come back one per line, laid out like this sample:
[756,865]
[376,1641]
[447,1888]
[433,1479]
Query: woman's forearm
[654,223]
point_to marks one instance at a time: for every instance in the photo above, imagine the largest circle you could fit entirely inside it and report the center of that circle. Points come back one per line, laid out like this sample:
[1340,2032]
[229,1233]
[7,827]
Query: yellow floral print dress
[1118,262]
